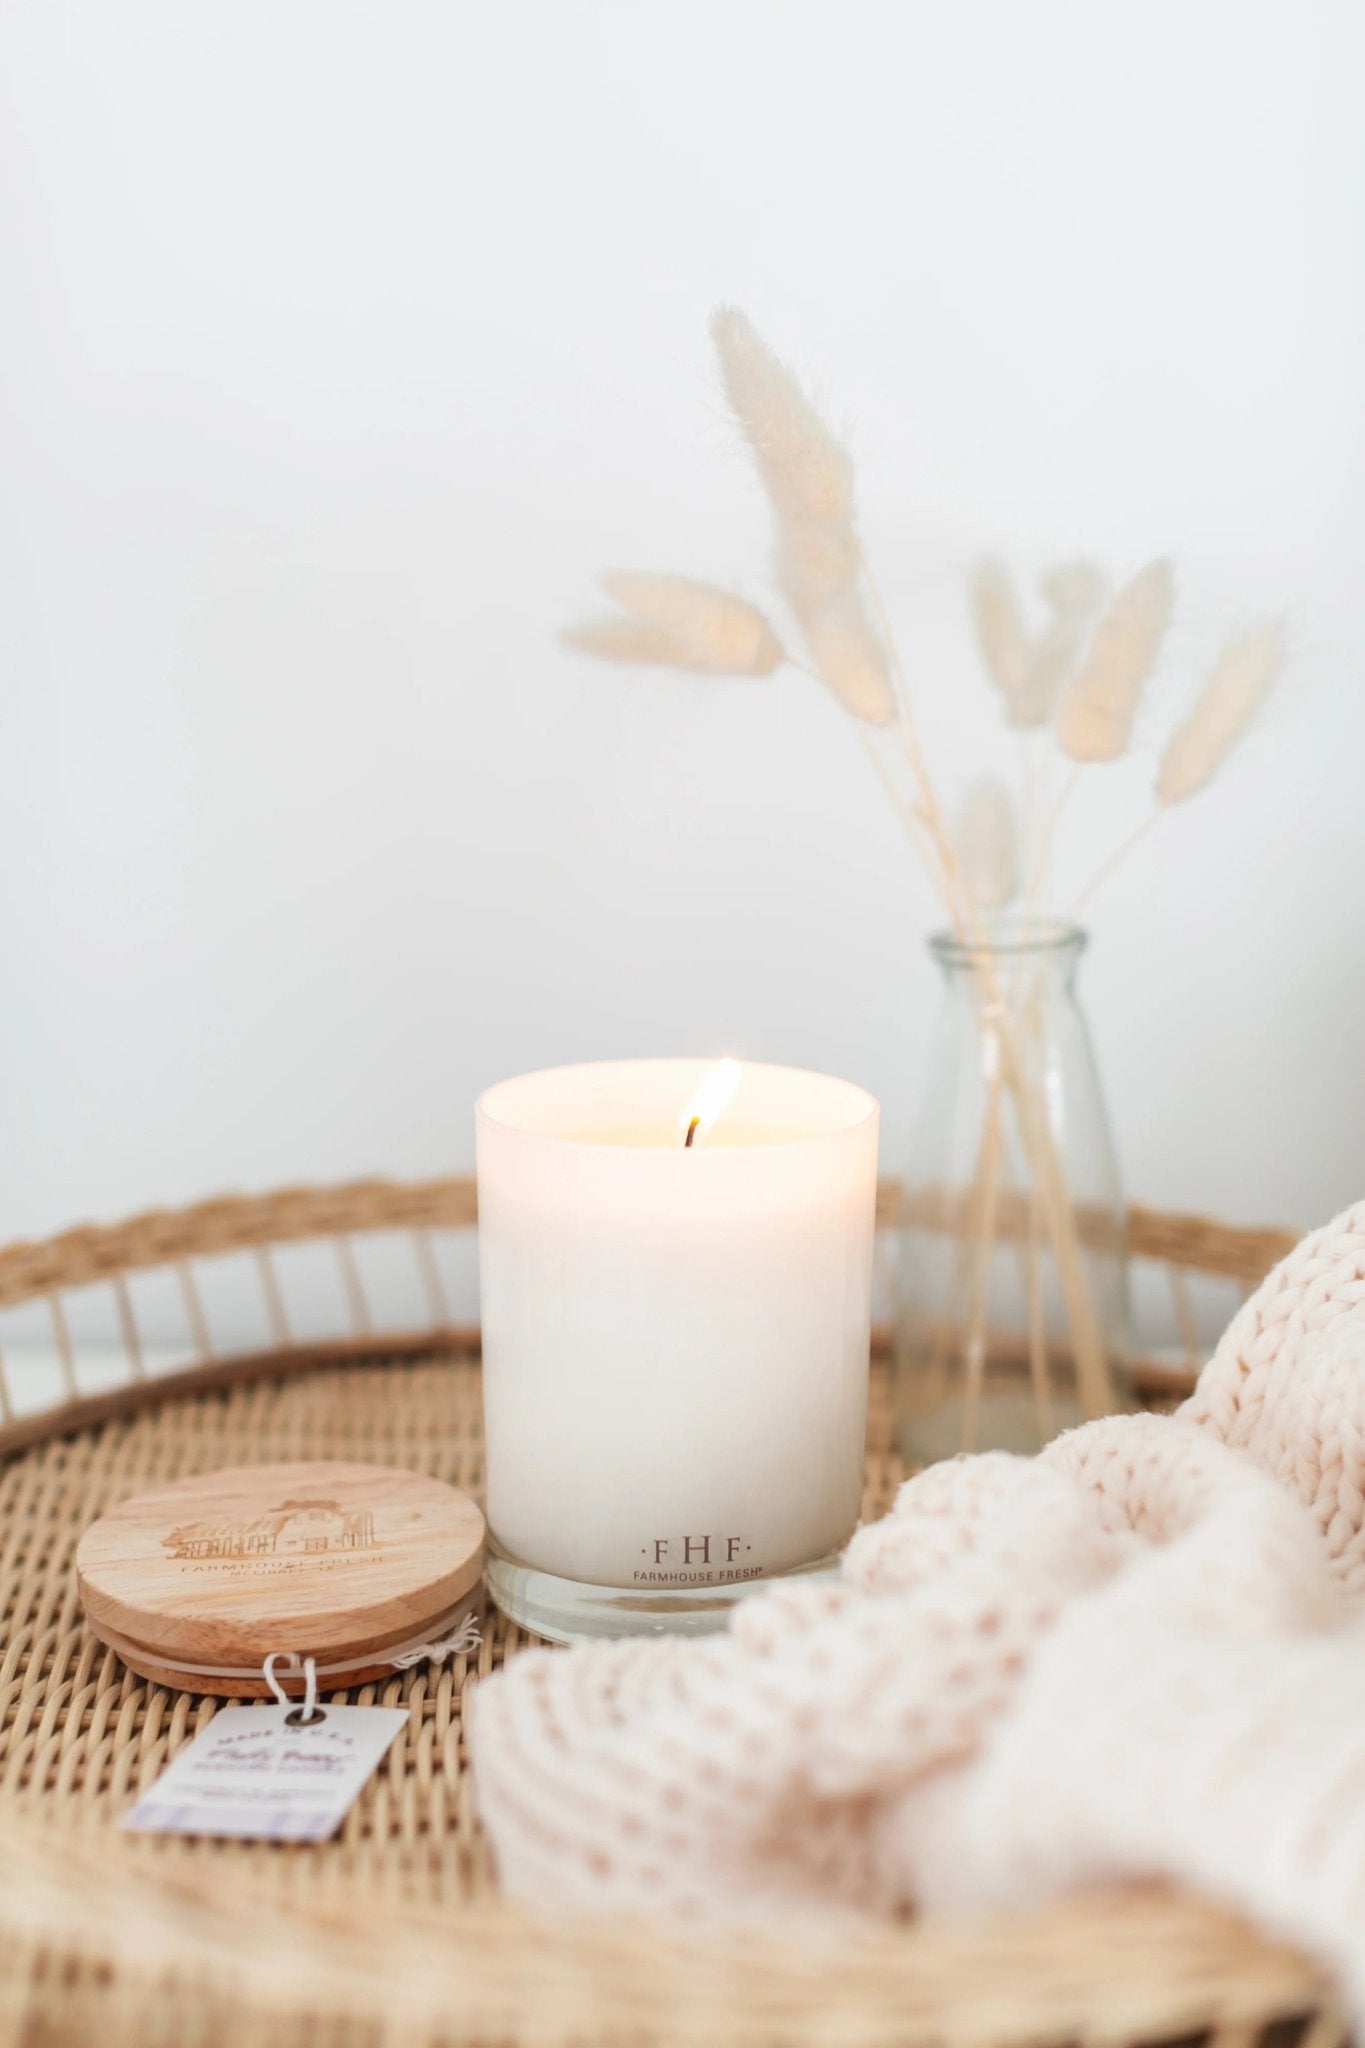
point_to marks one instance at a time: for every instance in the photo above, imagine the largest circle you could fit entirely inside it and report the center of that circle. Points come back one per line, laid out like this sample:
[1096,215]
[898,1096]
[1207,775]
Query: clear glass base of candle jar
[568,1611]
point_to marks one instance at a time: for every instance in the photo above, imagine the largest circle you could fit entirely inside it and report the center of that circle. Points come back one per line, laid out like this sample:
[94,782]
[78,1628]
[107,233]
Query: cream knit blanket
[1141,1653]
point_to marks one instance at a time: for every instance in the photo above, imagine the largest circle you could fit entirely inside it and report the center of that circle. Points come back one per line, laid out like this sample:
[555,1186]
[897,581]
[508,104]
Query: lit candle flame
[711,1100]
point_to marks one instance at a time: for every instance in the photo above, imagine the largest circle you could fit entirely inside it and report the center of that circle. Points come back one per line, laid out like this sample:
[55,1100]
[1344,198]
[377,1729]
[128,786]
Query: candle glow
[711,1100]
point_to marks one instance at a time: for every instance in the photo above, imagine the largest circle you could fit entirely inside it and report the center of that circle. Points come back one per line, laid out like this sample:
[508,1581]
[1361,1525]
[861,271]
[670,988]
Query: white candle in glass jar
[675,1336]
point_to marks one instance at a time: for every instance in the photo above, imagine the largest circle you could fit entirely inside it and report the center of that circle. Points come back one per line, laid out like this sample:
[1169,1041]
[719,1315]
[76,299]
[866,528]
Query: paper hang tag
[261,1773]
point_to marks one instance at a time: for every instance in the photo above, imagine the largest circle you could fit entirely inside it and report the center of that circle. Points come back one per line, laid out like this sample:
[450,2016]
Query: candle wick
[691,1132]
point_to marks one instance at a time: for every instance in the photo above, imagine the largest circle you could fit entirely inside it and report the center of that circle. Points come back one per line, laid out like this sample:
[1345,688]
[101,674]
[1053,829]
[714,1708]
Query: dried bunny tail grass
[1073,587]
[1245,674]
[1096,718]
[818,561]
[986,835]
[804,466]
[1051,658]
[719,632]
[1000,631]
[808,474]
[849,656]
[624,640]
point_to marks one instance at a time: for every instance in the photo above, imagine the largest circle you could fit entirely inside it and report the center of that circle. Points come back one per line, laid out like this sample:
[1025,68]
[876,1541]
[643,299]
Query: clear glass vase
[1011,1316]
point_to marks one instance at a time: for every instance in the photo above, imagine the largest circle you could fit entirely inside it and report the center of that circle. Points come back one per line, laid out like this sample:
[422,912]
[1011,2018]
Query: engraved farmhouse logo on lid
[293,1528]
[200,1580]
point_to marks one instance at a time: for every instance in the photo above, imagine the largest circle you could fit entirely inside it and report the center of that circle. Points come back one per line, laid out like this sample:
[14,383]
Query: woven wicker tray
[394,1931]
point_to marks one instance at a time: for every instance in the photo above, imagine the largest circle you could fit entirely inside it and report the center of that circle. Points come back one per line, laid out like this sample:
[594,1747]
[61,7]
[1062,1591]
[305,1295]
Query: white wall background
[342,345]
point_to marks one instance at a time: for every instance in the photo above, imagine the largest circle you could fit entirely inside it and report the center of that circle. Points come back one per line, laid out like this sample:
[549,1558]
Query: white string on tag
[294,1664]
[467,1636]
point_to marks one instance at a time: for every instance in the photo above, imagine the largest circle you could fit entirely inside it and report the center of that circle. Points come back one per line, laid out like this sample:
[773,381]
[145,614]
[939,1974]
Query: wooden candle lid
[196,1584]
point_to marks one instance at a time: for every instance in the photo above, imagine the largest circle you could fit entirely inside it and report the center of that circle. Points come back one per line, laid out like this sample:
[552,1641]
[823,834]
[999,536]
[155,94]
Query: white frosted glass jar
[675,1338]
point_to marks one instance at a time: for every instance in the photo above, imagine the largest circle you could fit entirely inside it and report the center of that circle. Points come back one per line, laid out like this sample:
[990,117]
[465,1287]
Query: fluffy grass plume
[818,564]
[817,561]
[803,464]
[1000,631]
[848,652]
[1242,680]
[808,474]
[719,633]
[613,639]
[986,836]
[1096,719]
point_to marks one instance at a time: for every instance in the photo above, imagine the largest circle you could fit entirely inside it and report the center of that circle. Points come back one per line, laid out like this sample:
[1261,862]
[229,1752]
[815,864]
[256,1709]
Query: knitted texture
[1140,1654]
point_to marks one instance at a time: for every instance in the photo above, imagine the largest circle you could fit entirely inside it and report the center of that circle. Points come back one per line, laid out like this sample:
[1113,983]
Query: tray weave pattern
[394,1931]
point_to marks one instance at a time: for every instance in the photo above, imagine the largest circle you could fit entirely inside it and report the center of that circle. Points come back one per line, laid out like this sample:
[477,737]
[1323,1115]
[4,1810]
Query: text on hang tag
[268,1774]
